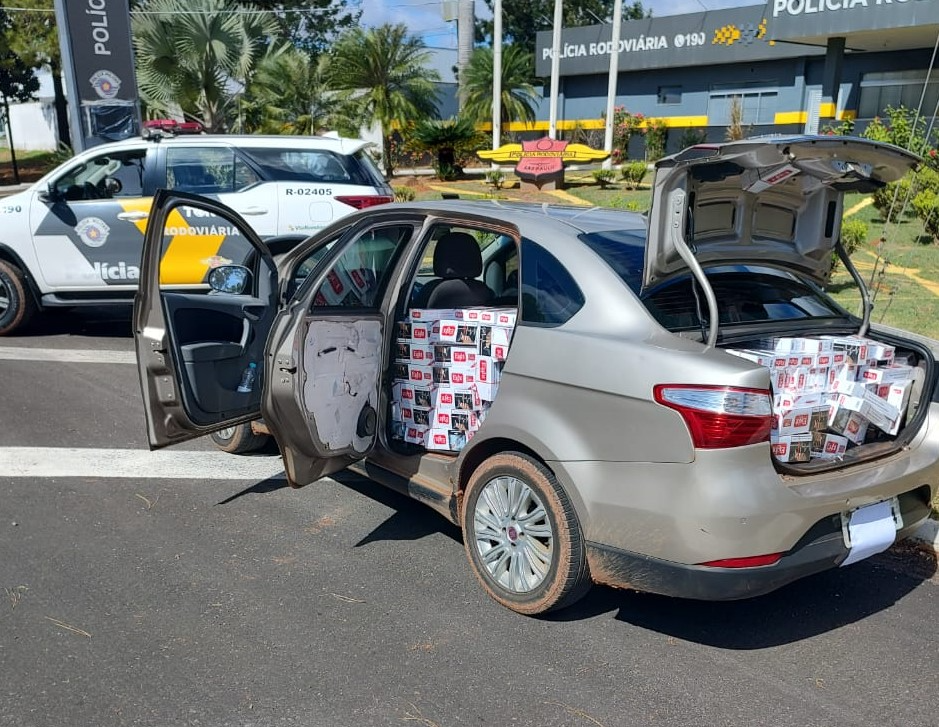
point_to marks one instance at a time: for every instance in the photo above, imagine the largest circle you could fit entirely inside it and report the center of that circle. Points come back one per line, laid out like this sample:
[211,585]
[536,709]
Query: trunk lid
[775,201]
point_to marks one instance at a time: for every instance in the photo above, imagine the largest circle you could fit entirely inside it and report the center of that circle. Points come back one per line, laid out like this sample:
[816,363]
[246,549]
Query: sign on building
[97,56]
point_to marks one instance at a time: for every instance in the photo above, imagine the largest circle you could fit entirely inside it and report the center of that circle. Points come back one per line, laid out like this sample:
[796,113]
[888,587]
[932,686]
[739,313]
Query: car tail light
[361,201]
[753,561]
[720,416]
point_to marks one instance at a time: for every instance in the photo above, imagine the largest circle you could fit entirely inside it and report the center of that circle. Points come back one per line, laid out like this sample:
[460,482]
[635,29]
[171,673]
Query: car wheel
[239,439]
[17,304]
[522,536]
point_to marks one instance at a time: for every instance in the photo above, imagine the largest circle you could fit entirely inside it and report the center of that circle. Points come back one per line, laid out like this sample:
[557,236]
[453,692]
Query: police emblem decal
[92,231]
[106,84]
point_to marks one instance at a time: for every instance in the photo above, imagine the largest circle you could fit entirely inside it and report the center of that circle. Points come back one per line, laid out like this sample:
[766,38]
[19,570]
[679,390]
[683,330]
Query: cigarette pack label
[792,447]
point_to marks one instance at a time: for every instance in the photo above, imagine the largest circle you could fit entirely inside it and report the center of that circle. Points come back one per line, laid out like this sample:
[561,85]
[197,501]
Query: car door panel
[193,346]
[216,337]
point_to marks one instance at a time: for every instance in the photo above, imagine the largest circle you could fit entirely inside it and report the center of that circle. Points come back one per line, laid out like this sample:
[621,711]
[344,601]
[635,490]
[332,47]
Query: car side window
[357,279]
[116,174]
[207,170]
[550,296]
[306,165]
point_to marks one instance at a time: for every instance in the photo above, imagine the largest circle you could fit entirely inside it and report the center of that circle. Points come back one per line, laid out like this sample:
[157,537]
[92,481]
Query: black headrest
[457,255]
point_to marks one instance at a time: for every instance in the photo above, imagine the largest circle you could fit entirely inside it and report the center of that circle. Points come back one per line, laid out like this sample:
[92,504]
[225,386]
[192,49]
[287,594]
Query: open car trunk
[842,399]
[742,237]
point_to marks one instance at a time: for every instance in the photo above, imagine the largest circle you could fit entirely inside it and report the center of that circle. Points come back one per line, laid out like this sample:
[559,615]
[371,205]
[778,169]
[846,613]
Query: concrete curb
[928,535]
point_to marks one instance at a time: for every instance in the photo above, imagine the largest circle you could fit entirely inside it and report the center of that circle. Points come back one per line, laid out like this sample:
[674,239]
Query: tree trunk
[386,153]
[61,107]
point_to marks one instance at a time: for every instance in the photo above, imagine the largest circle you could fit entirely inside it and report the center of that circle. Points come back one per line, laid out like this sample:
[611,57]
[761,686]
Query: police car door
[195,343]
[220,172]
[88,225]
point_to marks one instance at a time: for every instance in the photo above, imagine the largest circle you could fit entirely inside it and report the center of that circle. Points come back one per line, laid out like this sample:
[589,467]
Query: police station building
[794,65]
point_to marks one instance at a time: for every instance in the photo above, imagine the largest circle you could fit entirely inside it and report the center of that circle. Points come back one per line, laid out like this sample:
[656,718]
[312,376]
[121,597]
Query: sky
[424,17]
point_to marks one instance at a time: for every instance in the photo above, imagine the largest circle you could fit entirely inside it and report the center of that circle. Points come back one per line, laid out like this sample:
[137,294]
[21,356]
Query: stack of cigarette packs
[831,393]
[448,364]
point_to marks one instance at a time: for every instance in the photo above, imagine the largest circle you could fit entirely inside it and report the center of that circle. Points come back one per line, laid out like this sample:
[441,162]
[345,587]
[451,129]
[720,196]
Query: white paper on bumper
[871,530]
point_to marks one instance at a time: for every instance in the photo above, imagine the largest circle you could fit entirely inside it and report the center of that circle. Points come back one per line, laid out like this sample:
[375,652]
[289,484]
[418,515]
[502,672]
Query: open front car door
[200,347]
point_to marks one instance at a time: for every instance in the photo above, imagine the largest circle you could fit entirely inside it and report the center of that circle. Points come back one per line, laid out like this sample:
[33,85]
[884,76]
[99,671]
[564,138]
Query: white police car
[75,237]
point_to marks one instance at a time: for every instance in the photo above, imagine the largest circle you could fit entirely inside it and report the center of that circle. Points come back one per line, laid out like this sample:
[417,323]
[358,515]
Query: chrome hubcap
[226,433]
[513,534]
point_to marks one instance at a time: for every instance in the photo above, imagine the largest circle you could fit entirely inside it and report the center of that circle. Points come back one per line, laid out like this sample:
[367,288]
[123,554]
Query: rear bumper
[820,549]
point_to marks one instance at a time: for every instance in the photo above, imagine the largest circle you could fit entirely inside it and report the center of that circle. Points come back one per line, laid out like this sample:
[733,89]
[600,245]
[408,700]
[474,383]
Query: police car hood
[774,201]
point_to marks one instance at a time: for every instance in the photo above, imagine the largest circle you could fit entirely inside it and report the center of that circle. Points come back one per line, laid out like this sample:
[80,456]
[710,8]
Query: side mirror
[231,279]
[50,193]
[112,186]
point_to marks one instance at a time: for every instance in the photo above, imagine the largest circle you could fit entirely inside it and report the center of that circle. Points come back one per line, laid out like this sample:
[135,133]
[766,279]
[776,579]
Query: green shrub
[495,178]
[403,194]
[926,206]
[603,177]
[854,233]
[656,138]
[633,173]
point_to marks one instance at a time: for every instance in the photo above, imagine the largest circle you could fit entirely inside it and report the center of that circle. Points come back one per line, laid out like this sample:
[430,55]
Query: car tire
[239,439]
[17,305]
[522,536]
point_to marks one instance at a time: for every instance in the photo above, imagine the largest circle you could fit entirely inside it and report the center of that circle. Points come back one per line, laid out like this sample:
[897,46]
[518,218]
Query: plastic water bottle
[247,378]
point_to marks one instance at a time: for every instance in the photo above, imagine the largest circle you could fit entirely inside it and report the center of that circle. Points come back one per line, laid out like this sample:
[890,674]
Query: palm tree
[381,74]
[196,55]
[445,139]
[519,97]
[287,94]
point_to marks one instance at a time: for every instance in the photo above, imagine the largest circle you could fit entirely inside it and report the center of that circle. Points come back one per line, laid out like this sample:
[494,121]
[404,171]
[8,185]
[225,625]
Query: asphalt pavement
[151,596]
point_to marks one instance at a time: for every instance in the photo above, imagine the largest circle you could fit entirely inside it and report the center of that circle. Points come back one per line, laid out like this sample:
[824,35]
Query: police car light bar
[156,129]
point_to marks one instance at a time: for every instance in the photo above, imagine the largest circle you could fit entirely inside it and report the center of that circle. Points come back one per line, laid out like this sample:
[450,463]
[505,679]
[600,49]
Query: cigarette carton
[454,331]
[414,373]
[415,434]
[898,396]
[457,375]
[855,348]
[413,353]
[801,421]
[404,331]
[828,446]
[447,440]
[876,410]
[485,391]
[430,314]
[488,370]
[891,375]
[847,422]
[448,353]
[420,332]
[449,399]
[461,421]
[792,447]
[494,341]
[767,359]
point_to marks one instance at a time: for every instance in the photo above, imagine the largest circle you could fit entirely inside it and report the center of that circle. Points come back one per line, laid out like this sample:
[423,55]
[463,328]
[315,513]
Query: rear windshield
[745,293]
[310,165]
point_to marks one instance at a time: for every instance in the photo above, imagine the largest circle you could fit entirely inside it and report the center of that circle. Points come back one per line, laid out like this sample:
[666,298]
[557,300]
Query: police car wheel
[239,439]
[17,304]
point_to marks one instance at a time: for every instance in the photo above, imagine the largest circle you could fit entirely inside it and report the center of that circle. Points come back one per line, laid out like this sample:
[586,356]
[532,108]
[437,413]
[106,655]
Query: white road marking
[135,464]
[66,355]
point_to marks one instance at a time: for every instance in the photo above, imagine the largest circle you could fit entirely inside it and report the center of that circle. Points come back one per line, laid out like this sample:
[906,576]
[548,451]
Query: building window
[758,105]
[896,88]
[669,94]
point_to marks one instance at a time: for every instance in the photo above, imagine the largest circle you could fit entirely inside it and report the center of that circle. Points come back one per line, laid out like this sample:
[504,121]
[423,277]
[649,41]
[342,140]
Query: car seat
[457,264]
